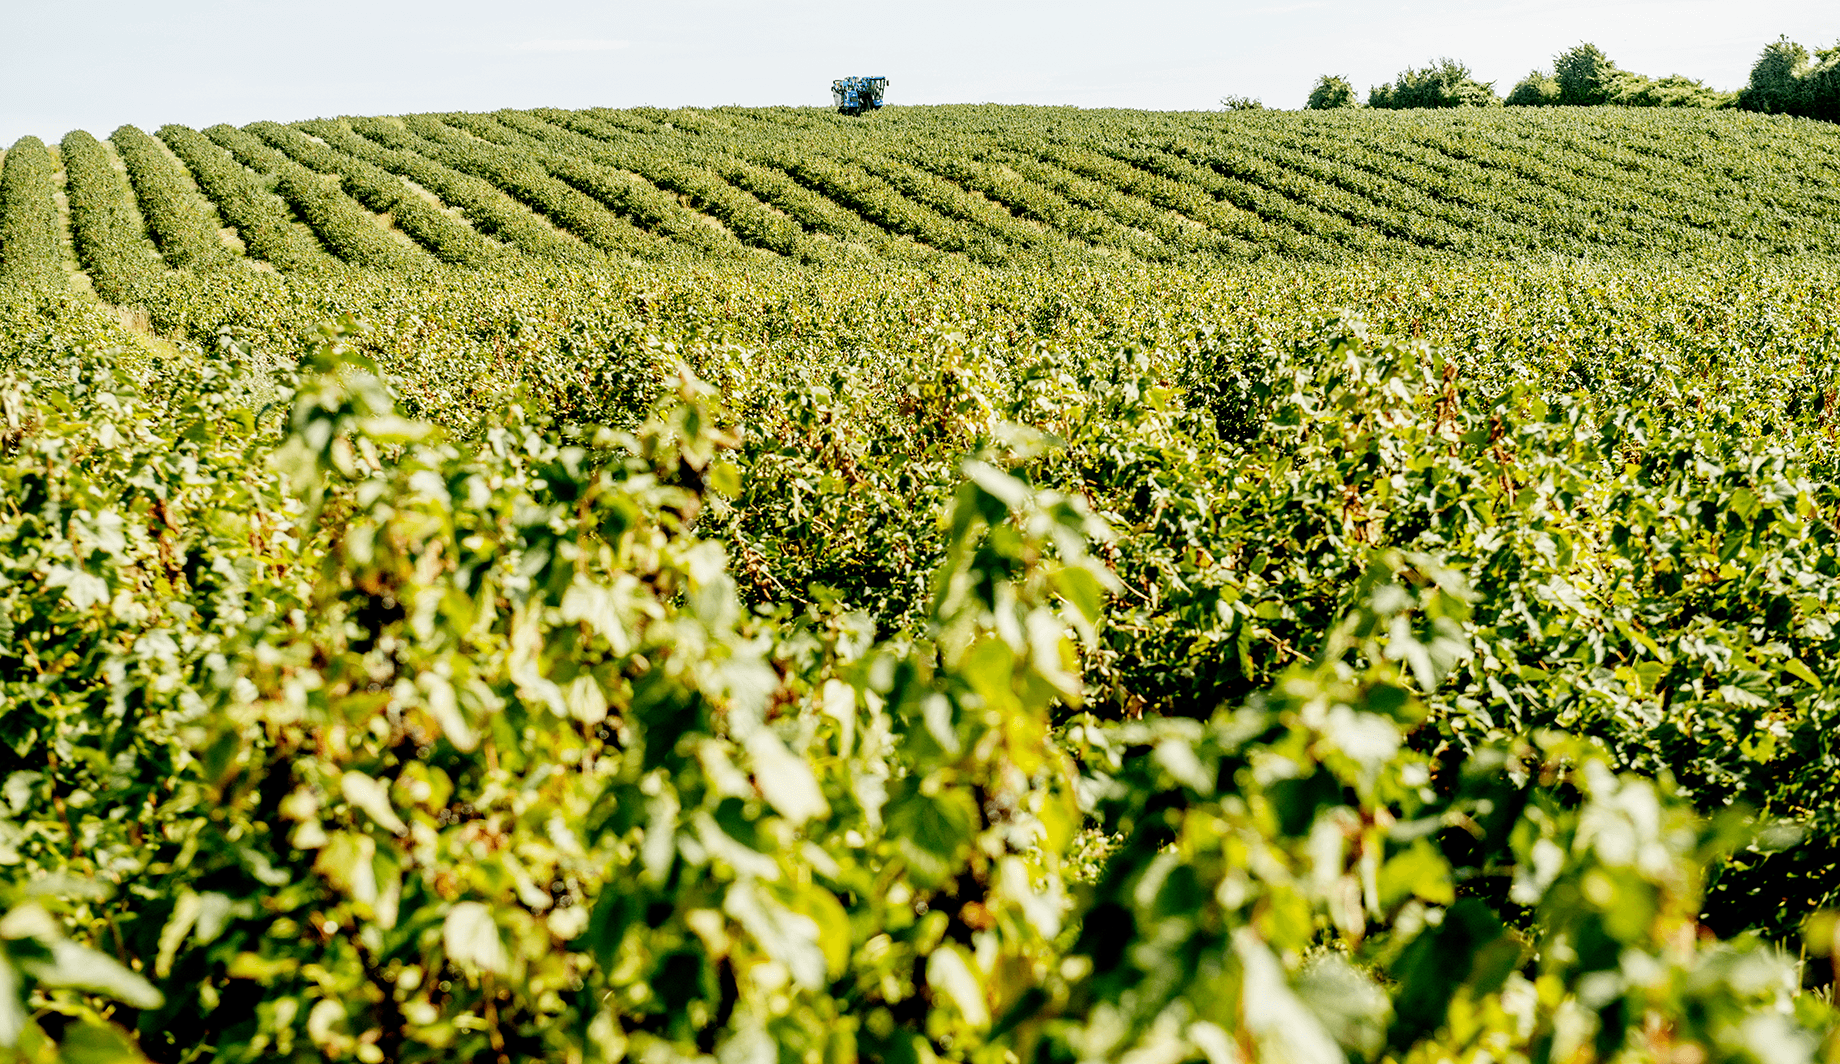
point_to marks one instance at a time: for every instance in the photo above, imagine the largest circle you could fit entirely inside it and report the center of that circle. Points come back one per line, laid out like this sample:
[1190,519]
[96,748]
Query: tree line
[1786,79]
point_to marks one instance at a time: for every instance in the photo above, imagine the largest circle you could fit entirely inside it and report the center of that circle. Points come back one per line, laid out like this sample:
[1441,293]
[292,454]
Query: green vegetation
[1331,92]
[1783,81]
[29,251]
[1446,83]
[975,584]
[1584,76]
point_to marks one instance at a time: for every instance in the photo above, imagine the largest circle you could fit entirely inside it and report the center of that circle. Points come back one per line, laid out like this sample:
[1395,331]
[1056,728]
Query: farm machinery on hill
[853,96]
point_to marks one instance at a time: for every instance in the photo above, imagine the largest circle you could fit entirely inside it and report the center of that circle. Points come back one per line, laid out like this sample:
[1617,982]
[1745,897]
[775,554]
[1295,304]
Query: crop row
[774,187]
[752,221]
[1767,160]
[178,219]
[448,238]
[1707,202]
[1275,172]
[869,195]
[959,202]
[490,210]
[1431,220]
[108,234]
[1247,210]
[1538,216]
[31,247]
[1175,214]
[950,176]
[267,228]
[1172,230]
[996,185]
[566,207]
[614,185]
[1570,183]
[768,181]
[1091,194]
[1034,200]
[1672,216]
[343,226]
[1351,181]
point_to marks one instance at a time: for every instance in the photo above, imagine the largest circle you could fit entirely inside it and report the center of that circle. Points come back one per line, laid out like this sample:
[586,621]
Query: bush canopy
[1445,83]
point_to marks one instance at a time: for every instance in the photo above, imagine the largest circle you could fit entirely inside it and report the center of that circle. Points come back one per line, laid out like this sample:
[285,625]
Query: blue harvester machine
[853,96]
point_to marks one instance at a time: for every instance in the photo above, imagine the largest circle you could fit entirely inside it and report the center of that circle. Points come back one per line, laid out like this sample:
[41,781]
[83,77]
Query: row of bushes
[491,211]
[109,237]
[448,238]
[261,219]
[566,207]
[1785,80]
[341,223]
[614,185]
[750,219]
[182,227]
[29,226]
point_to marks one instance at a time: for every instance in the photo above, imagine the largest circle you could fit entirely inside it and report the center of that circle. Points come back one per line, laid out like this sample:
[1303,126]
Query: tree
[1586,77]
[1776,79]
[1332,92]
[1820,96]
[1445,83]
[1537,89]
[1241,103]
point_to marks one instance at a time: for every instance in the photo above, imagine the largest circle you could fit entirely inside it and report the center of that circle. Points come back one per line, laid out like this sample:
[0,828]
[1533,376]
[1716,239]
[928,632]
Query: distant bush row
[1786,79]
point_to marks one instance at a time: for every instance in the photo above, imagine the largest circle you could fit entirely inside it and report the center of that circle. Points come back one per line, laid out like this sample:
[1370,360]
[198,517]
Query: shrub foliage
[946,602]
[1445,83]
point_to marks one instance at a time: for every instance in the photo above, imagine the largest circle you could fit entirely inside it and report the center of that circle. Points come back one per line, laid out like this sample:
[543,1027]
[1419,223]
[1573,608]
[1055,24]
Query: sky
[96,64]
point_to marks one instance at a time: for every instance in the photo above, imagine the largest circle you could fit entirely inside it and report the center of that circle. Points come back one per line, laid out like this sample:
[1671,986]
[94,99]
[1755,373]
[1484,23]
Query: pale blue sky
[95,64]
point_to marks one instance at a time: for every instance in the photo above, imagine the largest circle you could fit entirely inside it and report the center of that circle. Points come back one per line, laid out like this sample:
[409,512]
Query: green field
[994,584]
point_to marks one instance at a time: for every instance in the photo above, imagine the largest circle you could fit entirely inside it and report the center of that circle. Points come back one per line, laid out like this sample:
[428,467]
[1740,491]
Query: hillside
[992,184]
[968,585]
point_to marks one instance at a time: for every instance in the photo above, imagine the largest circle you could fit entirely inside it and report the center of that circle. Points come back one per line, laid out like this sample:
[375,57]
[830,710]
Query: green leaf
[786,936]
[373,797]
[931,832]
[95,1043]
[471,939]
[1349,1004]
[178,925]
[1081,589]
[1418,871]
[947,970]
[80,588]
[80,968]
[259,968]
[1284,1028]
[785,779]
[13,1015]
